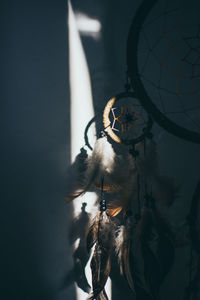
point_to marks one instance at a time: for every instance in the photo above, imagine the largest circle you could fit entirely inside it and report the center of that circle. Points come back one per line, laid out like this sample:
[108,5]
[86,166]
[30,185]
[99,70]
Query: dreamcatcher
[165,37]
[131,194]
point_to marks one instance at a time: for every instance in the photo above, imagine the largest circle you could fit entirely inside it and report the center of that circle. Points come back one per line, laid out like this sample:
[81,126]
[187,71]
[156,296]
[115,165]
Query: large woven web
[169,60]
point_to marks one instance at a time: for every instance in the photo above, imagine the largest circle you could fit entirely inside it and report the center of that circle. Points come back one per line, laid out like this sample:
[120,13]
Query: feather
[80,192]
[118,172]
[119,245]
[91,237]
[100,266]
[137,258]
[79,225]
[121,204]
[77,232]
[123,242]
[112,187]
[113,212]
[101,161]
[76,172]
[152,252]
[120,175]
[103,236]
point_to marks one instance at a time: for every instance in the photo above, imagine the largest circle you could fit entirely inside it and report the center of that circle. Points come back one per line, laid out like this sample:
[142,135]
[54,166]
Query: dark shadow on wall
[35,254]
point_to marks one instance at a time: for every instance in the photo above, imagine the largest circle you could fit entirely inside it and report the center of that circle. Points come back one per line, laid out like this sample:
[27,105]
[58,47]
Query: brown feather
[113,212]
[74,195]
[86,187]
[123,242]
[118,205]
[118,171]
[103,234]
[100,266]
[91,236]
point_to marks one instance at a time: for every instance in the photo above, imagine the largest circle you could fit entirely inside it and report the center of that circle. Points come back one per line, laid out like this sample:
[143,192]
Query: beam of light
[81,111]
[81,104]
[87,25]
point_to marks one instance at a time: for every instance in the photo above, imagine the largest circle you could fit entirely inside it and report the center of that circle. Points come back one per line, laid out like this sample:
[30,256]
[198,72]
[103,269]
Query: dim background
[35,143]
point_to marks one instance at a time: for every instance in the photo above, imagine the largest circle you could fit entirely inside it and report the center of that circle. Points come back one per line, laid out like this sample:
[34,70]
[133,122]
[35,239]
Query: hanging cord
[144,147]
[135,154]
[138,197]
[128,83]
[146,196]
[103,205]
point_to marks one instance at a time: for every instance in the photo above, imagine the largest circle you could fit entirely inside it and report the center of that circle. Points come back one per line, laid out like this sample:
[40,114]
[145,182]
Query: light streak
[88,26]
[81,111]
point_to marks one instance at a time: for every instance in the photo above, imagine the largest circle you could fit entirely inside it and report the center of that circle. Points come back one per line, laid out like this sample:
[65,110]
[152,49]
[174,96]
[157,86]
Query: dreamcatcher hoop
[137,84]
[107,123]
[87,142]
